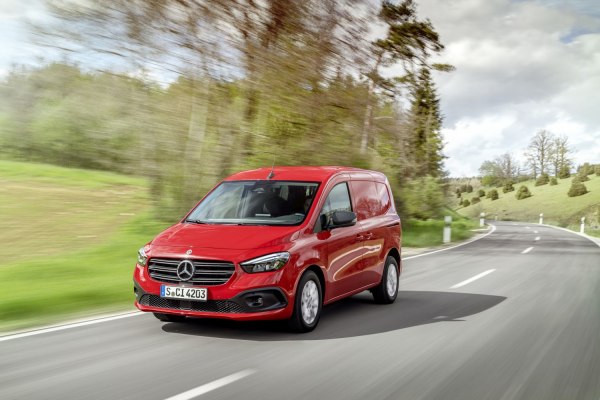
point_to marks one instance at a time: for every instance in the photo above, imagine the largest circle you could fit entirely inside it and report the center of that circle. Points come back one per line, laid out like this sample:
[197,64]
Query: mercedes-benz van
[275,243]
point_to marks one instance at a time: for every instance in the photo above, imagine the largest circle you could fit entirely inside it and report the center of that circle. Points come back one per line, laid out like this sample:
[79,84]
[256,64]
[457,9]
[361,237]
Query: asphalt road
[527,328]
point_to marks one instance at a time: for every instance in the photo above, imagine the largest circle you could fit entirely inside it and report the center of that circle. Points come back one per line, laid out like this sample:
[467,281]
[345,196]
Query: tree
[560,160]
[493,194]
[409,42]
[543,179]
[540,152]
[504,168]
[577,189]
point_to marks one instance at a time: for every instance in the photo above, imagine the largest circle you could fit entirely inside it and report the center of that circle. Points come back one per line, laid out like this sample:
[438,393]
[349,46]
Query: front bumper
[243,297]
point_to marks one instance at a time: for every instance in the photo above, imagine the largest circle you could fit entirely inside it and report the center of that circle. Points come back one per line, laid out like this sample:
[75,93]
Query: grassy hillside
[69,241]
[558,208]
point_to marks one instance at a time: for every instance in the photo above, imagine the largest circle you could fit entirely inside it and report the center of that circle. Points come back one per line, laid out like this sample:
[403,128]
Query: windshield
[256,203]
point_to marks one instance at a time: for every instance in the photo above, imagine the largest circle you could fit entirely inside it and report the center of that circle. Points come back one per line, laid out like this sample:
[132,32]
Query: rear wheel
[169,317]
[307,304]
[387,291]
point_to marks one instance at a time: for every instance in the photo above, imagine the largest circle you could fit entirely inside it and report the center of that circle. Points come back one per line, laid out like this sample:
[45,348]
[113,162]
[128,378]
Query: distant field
[558,208]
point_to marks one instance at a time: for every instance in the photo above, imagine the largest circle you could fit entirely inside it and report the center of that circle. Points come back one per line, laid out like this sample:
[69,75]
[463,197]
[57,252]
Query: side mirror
[340,219]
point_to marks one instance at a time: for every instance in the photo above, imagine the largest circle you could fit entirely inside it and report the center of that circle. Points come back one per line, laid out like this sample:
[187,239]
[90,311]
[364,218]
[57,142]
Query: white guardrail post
[482,220]
[582,228]
[541,218]
[447,228]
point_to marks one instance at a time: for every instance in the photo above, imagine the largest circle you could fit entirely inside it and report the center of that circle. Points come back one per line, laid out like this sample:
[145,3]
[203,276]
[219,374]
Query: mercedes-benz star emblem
[185,270]
[188,252]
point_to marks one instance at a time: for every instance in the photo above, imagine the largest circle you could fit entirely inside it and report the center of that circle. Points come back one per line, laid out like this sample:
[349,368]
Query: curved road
[515,315]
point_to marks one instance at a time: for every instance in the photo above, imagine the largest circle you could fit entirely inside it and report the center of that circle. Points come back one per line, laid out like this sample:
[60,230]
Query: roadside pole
[542,219]
[447,228]
[582,227]
[482,220]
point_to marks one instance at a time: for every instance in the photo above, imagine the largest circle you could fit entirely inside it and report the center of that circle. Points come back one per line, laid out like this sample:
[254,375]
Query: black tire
[169,317]
[380,292]
[297,322]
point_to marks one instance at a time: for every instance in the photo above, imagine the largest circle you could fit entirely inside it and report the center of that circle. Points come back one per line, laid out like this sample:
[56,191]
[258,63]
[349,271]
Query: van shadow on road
[355,316]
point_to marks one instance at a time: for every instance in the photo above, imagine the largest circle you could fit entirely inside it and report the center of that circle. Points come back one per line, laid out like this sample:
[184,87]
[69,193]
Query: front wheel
[307,304]
[169,317]
[387,291]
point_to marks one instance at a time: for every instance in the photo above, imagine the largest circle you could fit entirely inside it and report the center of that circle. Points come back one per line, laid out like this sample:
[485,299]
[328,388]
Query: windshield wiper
[195,221]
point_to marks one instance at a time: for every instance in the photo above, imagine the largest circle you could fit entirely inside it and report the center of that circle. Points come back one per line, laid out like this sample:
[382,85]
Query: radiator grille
[208,273]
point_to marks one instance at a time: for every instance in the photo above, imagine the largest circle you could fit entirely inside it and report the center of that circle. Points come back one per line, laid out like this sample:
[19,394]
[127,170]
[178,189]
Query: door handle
[369,236]
[360,237]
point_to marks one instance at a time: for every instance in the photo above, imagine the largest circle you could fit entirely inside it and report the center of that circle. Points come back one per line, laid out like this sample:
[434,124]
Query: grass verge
[97,279]
[416,233]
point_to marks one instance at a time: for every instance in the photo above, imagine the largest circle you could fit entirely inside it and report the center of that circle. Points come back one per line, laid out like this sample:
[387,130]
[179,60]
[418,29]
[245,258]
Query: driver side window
[337,200]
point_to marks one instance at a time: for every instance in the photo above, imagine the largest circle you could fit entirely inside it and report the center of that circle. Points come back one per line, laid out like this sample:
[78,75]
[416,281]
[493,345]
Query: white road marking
[527,250]
[527,227]
[535,232]
[537,238]
[478,276]
[68,326]
[209,387]
[452,247]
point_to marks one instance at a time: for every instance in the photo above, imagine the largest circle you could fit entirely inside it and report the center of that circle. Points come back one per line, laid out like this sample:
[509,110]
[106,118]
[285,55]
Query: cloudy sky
[521,66]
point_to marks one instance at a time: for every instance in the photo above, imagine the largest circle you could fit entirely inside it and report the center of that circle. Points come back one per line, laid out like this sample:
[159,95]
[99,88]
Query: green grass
[46,210]
[417,233]
[558,208]
[69,241]
[96,279]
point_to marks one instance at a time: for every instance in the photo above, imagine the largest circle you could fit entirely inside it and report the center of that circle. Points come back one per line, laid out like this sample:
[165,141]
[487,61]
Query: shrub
[577,189]
[523,193]
[597,169]
[466,203]
[469,189]
[553,181]
[493,194]
[475,200]
[480,193]
[564,172]
[581,178]
[424,198]
[543,179]
[508,187]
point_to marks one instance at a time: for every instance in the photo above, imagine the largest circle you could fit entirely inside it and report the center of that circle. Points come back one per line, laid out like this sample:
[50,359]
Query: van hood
[234,237]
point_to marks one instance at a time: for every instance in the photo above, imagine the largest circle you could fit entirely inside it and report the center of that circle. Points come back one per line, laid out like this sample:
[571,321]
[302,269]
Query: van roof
[304,173]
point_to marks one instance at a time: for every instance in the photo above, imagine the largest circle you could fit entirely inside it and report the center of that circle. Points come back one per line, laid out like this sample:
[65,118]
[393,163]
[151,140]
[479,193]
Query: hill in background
[558,208]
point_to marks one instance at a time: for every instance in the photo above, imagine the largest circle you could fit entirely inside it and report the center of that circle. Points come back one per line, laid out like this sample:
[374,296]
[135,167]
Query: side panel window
[366,199]
[384,198]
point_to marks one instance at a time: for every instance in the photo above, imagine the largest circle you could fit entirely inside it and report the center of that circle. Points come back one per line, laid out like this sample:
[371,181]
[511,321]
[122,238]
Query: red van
[275,243]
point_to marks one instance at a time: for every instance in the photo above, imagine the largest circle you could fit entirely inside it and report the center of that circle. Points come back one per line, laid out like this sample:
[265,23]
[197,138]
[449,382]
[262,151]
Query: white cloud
[522,66]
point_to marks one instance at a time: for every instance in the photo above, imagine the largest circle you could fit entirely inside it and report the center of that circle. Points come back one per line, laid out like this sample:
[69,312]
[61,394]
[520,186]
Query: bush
[469,189]
[543,179]
[597,169]
[577,189]
[581,178]
[493,194]
[523,193]
[553,181]
[466,203]
[480,193]
[508,187]
[564,172]
[475,200]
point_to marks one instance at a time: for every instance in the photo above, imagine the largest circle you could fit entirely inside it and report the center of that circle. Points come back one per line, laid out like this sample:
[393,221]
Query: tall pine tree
[426,121]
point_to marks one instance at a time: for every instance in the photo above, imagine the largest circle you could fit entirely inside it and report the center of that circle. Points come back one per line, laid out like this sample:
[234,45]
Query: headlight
[142,257]
[270,262]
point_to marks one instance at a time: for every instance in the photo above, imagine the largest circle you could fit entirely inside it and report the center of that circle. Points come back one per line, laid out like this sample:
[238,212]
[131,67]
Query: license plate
[187,293]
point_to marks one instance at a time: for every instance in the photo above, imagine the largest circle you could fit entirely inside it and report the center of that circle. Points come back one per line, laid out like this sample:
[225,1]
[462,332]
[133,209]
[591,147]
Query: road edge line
[68,325]
[583,235]
[453,247]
